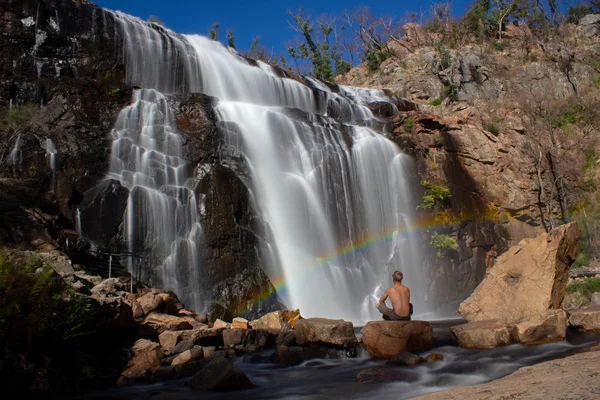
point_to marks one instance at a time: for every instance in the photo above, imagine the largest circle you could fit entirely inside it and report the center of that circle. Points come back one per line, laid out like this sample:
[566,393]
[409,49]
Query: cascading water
[333,192]
[162,214]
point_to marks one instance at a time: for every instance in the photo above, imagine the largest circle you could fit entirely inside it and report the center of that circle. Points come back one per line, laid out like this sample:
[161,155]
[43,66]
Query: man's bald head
[397,276]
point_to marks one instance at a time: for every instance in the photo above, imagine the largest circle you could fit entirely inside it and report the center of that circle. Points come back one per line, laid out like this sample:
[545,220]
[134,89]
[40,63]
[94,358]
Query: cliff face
[499,126]
[62,79]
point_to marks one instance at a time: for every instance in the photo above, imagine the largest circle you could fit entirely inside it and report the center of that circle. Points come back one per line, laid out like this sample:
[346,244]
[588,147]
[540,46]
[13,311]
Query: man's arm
[382,299]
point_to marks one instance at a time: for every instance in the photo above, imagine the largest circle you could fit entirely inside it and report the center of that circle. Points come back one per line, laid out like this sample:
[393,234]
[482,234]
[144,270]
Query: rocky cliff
[507,127]
[62,84]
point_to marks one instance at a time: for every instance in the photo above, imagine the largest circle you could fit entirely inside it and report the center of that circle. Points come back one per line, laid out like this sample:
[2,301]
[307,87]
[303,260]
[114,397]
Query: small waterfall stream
[333,192]
[162,214]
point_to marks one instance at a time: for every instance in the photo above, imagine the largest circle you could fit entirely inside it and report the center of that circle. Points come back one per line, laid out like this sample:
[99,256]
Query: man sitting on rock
[400,296]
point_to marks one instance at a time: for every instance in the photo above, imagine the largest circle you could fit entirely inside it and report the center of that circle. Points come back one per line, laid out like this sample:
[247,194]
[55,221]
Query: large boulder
[529,279]
[586,319]
[185,356]
[590,25]
[481,334]
[335,332]
[112,311]
[277,320]
[146,359]
[156,323]
[388,338]
[546,327]
[220,375]
[249,340]
[283,355]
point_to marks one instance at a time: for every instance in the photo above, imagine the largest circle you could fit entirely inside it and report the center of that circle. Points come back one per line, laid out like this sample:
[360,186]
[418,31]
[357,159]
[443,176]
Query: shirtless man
[400,296]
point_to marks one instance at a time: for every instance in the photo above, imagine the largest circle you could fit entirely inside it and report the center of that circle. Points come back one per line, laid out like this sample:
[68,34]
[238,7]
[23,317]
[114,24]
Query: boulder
[277,320]
[405,358]
[336,332]
[182,346]
[546,327]
[387,338]
[160,301]
[151,302]
[286,337]
[249,340]
[157,323]
[112,311]
[434,357]
[233,337]
[586,319]
[219,324]
[220,375]
[145,360]
[481,334]
[110,287]
[238,322]
[527,280]
[169,339]
[191,354]
[285,356]
[193,314]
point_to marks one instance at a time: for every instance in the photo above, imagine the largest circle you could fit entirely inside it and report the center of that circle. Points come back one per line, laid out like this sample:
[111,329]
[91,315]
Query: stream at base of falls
[331,378]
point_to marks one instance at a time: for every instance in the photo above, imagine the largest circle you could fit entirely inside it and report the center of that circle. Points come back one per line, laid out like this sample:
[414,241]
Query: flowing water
[334,194]
[162,214]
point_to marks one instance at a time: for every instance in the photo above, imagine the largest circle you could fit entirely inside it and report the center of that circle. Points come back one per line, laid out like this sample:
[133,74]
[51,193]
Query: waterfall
[334,193]
[162,215]
[51,152]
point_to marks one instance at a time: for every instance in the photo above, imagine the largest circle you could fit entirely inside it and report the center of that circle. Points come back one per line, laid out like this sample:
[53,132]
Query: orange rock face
[387,338]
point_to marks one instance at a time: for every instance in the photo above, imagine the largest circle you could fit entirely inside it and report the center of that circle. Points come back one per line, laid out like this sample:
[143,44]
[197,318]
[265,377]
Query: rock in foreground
[220,375]
[527,280]
[546,327]
[481,335]
[586,319]
[335,332]
[388,338]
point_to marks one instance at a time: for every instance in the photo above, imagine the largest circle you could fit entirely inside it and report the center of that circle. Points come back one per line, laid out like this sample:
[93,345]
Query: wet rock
[387,338]
[102,210]
[286,337]
[220,375]
[277,320]
[185,356]
[481,334]
[434,357]
[528,279]
[405,358]
[336,332]
[385,374]
[586,319]
[549,326]
[145,360]
[285,356]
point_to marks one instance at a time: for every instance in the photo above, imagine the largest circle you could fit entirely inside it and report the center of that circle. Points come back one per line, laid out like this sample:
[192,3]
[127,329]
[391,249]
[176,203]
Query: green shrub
[436,102]
[584,286]
[493,129]
[433,193]
[113,93]
[500,45]
[374,58]
[442,242]
[445,57]
[408,124]
[596,82]
[450,92]
[568,118]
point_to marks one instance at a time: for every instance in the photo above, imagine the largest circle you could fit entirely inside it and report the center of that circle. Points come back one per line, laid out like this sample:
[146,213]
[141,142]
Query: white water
[51,152]
[162,214]
[320,184]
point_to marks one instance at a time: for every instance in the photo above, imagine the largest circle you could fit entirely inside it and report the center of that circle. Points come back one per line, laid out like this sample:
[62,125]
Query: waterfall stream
[333,192]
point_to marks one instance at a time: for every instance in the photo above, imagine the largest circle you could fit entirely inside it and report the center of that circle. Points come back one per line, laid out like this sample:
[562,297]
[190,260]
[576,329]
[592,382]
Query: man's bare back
[400,298]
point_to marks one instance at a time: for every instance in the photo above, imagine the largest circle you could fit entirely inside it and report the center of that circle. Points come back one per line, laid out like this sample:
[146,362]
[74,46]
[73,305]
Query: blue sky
[267,19]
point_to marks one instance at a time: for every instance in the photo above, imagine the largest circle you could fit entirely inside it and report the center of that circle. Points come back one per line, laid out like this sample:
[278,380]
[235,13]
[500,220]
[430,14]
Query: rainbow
[280,284]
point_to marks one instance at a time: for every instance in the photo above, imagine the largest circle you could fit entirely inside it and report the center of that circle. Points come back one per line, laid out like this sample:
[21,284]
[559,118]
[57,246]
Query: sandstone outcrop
[277,320]
[335,332]
[548,326]
[528,279]
[145,360]
[481,334]
[586,319]
[388,338]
